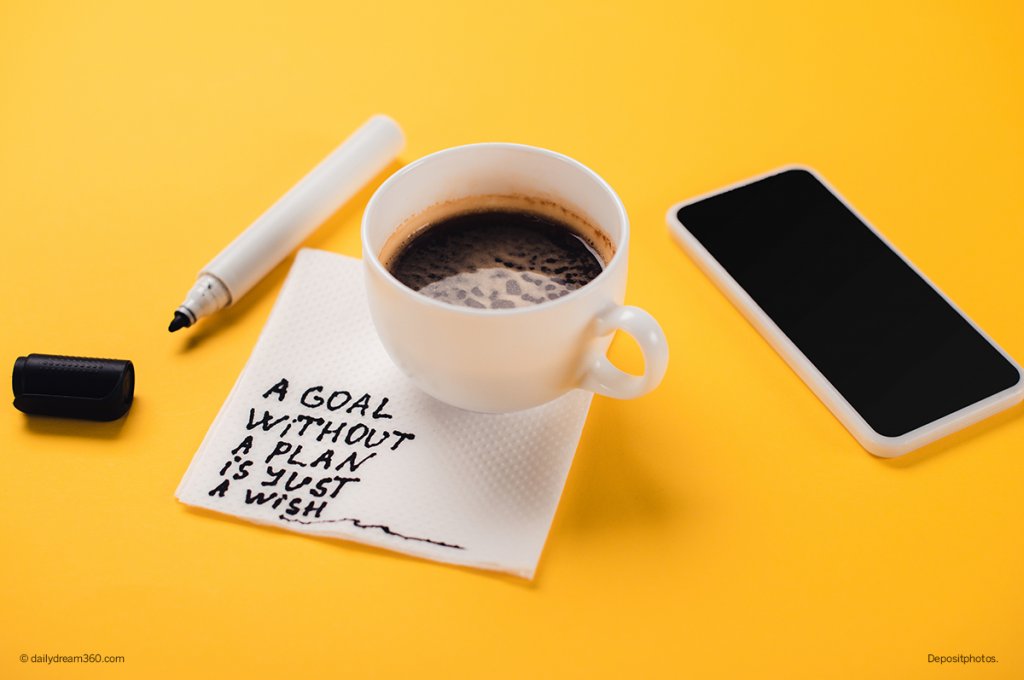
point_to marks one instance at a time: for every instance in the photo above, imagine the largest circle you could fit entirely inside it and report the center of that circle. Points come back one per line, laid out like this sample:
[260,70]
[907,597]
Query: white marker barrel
[308,204]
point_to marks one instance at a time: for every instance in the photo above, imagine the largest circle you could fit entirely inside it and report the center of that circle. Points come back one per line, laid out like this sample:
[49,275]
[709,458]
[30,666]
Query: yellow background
[725,526]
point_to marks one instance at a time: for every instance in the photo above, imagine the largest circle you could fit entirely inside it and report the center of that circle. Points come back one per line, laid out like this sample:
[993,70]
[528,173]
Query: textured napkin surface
[322,434]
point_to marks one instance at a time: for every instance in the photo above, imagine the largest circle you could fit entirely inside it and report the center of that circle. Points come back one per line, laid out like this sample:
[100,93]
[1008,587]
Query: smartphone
[891,356]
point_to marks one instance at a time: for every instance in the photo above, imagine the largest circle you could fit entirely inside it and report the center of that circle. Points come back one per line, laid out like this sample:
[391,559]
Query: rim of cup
[382,190]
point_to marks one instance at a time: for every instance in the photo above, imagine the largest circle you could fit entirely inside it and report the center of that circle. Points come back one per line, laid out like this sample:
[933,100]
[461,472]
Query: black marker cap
[73,387]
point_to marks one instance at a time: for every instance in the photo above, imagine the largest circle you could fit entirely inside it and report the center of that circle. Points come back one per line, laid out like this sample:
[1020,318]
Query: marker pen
[291,219]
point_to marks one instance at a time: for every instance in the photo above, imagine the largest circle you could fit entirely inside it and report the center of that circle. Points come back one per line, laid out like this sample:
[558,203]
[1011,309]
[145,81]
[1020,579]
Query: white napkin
[406,472]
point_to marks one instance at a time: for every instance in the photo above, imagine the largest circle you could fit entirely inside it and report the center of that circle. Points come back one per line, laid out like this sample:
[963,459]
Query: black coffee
[496,259]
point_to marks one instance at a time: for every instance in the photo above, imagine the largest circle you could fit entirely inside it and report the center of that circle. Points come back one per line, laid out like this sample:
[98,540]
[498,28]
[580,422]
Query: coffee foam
[583,227]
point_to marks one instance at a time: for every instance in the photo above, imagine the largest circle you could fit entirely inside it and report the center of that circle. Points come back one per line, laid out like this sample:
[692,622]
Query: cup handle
[602,377]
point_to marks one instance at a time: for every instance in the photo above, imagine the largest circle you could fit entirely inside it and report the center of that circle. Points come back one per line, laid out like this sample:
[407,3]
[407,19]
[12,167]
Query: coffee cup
[497,360]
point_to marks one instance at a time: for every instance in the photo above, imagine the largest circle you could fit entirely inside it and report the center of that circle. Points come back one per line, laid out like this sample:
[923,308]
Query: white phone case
[878,444]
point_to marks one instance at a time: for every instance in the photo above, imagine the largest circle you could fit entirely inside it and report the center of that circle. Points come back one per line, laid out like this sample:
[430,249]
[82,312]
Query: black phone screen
[879,333]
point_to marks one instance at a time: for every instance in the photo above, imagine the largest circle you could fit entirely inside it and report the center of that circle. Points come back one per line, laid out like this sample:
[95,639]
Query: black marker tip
[178,322]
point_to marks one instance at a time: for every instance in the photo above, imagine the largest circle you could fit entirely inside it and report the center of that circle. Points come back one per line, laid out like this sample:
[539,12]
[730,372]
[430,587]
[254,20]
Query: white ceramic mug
[499,360]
